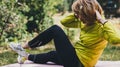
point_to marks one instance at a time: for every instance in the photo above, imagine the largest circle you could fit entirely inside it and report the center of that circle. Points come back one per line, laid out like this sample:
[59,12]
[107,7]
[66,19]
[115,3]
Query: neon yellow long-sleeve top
[93,39]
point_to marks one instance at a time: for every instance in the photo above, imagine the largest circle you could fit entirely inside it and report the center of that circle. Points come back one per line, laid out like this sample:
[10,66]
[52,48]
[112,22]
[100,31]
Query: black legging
[65,53]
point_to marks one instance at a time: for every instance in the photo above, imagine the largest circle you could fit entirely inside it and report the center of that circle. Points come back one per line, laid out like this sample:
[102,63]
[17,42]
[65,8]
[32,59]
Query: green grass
[111,53]
[7,57]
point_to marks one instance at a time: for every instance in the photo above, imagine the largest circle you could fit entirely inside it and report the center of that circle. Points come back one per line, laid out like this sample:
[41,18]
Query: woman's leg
[45,57]
[65,51]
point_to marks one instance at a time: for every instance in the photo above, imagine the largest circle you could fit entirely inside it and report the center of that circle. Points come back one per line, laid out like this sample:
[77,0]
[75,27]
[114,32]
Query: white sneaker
[21,59]
[18,48]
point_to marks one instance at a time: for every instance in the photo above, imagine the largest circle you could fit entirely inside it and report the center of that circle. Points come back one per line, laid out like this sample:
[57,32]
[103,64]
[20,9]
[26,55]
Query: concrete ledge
[30,64]
[108,64]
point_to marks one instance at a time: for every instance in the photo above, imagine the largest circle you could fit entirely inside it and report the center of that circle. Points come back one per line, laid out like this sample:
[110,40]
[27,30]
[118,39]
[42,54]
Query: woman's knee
[56,28]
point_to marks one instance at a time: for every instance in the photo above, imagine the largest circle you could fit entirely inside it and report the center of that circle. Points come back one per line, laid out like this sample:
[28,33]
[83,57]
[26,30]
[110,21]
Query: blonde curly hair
[86,10]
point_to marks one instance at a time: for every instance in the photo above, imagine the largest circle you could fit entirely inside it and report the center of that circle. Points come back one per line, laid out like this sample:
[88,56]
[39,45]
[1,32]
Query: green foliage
[19,18]
[11,20]
[64,5]
[68,4]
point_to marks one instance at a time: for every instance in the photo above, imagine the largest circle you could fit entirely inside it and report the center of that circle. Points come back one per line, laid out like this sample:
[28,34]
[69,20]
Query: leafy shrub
[20,19]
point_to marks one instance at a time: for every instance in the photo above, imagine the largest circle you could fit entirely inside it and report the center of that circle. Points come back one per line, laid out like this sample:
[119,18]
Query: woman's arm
[111,33]
[71,21]
[100,18]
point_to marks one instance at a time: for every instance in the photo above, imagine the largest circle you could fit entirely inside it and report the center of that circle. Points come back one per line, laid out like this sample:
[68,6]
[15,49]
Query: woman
[94,36]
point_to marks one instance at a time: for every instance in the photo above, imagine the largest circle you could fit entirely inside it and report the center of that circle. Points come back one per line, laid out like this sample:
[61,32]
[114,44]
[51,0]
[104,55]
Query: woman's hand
[26,46]
[99,18]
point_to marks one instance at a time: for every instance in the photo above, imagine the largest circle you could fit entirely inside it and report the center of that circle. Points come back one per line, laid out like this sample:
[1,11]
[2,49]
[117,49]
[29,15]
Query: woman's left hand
[99,18]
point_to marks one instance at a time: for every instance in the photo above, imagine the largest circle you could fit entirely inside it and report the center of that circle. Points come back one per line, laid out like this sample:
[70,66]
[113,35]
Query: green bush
[20,19]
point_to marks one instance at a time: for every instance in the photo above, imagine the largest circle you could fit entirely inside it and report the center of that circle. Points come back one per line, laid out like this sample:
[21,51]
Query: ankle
[26,46]
[27,56]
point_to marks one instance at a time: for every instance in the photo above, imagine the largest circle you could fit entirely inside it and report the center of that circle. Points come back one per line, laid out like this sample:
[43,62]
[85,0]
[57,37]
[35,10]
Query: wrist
[103,21]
